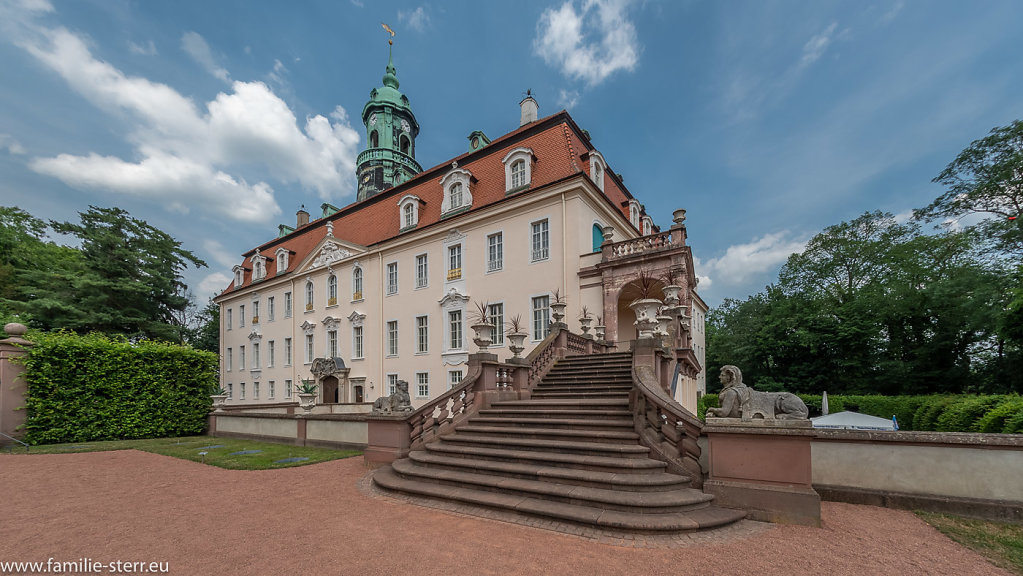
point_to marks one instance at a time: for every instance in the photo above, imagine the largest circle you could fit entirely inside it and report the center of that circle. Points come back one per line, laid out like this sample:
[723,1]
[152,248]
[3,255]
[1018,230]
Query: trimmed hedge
[93,387]
[998,413]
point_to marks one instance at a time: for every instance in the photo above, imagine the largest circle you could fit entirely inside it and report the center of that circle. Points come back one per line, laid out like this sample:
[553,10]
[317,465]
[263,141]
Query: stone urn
[558,311]
[599,330]
[218,402]
[484,335]
[671,294]
[646,315]
[515,340]
[585,321]
[663,325]
[307,402]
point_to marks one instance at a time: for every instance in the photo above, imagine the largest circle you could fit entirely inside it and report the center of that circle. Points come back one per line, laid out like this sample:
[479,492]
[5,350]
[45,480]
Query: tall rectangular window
[241,391]
[332,343]
[255,356]
[241,315]
[495,252]
[392,383]
[541,317]
[270,309]
[309,351]
[230,318]
[496,314]
[241,357]
[454,262]
[287,304]
[540,235]
[310,295]
[270,390]
[357,342]
[422,385]
[454,377]
[255,312]
[287,388]
[392,278]
[229,359]
[230,391]
[455,329]
[255,390]
[422,334]
[271,351]
[392,338]
[422,271]
[287,351]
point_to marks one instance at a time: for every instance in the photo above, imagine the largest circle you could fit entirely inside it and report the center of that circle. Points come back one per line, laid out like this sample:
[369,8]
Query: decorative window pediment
[518,169]
[408,211]
[255,336]
[647,225]
[453,300]
[457,191]
[308,327]
[330,252]
[356,318]
[239,276]
[283,256]
[597,169]
[331,322]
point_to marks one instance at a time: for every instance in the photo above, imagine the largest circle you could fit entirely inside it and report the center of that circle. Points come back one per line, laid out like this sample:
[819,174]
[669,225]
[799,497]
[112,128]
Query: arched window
[410,215]
[518,173]
[309,295]
[455,194]
[374,139]
[404,145]
[598,237]
[357,283]
[331,290]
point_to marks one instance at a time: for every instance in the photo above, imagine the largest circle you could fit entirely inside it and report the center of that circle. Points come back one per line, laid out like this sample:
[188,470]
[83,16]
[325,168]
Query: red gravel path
[314,520]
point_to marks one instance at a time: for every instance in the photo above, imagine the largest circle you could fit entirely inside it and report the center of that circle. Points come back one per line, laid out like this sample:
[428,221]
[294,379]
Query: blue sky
[767,121]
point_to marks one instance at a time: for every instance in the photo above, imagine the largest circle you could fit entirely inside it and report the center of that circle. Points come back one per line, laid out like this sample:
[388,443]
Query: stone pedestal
[388,439]
[763,466]
[13,387]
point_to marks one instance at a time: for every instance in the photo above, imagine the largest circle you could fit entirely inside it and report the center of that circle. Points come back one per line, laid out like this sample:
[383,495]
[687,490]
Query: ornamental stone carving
[400,401]
[356,318]
[740,401]
[453,299]
[330,253]
[330,323]
[255,336]
[308,327]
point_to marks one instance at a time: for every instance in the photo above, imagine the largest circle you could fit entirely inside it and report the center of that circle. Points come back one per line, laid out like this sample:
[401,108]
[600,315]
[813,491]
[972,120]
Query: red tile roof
[556,141]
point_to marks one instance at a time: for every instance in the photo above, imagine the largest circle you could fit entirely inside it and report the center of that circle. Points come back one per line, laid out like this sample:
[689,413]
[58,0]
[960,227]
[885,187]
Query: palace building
[384,289]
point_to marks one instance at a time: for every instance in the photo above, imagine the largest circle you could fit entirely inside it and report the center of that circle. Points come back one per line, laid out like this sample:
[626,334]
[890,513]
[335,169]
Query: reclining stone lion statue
[400,401]
[740,401]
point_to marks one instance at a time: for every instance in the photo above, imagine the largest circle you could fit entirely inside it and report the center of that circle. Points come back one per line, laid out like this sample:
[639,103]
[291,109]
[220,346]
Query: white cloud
[357,3]
[817,45]
[196,47]
[147,49]
[567,99]
[903,217]
[565,39]
[188,158]
[219,254]
[7,142]
[213,284]
[416,19]
[892,12]
[741,262]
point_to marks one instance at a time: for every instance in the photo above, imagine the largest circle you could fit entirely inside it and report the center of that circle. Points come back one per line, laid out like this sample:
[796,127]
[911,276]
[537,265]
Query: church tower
[391,130]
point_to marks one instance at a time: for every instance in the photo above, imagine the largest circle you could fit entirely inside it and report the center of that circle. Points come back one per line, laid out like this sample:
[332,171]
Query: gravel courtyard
[136,506]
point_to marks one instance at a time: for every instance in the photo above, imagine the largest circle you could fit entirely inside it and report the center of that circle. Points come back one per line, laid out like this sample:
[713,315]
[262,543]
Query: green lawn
[1000,543]
[218,451]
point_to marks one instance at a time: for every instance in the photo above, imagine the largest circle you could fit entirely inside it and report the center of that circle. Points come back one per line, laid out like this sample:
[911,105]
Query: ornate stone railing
[643,244]
[664,426]
[577,344]
[542,358]
[388,154]
[439,416]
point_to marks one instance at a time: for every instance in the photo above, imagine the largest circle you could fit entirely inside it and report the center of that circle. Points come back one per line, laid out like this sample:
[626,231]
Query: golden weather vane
[389,31]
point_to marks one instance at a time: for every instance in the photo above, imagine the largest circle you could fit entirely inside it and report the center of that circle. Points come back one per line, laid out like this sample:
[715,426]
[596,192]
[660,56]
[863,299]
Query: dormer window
[239,276]
[408,209]
[282,260]
[258,266]
[634,209]
[457,191]
[648,225]
[518,168]
[597,169]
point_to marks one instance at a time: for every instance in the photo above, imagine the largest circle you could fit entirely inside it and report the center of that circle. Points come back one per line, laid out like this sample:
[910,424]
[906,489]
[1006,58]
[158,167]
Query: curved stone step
[633,450]
[678,500]
[703,518]
[555,413]
[544,395]
[553,422]
[650,481]
[556,459]
[550,433]
[565,404]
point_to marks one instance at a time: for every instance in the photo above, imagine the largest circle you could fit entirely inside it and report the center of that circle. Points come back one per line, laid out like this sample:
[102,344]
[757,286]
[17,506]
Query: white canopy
[852,421]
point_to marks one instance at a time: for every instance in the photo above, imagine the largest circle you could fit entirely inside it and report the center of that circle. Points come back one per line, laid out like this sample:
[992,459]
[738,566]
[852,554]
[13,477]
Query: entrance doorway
[330,390]
[358,394]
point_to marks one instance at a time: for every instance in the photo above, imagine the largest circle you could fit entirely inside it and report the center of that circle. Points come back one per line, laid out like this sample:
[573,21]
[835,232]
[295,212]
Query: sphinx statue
[400,401]
[738,400]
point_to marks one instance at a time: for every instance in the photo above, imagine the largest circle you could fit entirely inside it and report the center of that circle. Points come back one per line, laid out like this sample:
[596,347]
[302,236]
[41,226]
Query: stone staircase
[569,453]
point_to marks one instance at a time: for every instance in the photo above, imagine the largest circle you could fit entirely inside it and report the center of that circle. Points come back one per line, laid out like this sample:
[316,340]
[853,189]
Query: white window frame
[287,388]
[358,337]
[544,322]
[310,295]
[455,252]
[241,315]
[540,251]
[509,160]
[229,359]
[288,351]
[598,169]
[271,352]
[392,382]
[646,225]
[258,266]
[282,260]
[498,326]
[230,317]
[255,356]
[454,378]
[310,348]
[230,391]
[422,271]
[270,309]
[241,358]
[288,305]
[331,289]
[450,330]
[357,277]
[408,212]
[239,276]
[241,391]
[255,311]
[392,286]
[391,334]
[456,176]
[270,390]
[332,344]
[495,264]
[255,390]
[634,210]
[422,380]
[422,334]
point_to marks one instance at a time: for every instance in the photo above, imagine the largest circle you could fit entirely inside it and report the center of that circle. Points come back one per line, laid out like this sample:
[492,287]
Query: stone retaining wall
[333,430]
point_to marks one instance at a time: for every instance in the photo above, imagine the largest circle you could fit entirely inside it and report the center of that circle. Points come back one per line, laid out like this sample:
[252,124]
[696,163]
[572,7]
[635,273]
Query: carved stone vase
[306,402]
[600,332]
[585,323]
[671,294]
[516,339]
[218,402]
[558,311]
[646,315]
[484,335]
[663,325]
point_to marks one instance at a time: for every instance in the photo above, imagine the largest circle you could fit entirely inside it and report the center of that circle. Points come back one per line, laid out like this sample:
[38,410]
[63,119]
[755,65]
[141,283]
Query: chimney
[529,109]
[302,217]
